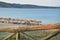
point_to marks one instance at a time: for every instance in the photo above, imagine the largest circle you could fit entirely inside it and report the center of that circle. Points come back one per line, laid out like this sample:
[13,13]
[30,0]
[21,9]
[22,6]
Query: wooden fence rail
[17,29]
[29,28]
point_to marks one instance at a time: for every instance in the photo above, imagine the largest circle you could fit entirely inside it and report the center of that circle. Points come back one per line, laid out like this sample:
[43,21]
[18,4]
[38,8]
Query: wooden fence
[18,30]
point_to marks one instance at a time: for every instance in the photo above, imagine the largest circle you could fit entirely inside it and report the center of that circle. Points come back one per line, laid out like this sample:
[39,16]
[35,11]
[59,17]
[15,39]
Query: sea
[46,15]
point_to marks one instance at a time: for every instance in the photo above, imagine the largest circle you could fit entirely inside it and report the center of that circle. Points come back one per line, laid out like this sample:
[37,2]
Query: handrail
[30,28]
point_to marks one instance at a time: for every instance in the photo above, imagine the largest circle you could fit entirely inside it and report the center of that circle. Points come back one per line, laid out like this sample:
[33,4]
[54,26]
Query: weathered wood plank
[51,35]
[30,28]
[9,36]
[26,36]
[18,36]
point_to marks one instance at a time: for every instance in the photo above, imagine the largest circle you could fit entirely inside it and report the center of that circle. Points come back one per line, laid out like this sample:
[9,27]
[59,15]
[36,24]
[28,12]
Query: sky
[36,2]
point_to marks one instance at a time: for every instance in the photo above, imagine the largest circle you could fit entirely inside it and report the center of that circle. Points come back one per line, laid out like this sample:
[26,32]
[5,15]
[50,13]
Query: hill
[14,5]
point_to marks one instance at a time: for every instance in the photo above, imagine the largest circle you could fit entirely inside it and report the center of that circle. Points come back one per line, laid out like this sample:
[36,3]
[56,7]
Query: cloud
[36,2]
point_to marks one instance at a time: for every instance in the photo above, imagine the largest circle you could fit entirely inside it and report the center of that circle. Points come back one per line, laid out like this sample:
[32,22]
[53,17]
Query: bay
[45,15]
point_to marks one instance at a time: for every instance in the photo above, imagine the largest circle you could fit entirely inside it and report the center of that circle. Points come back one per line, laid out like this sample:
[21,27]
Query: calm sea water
[45,15]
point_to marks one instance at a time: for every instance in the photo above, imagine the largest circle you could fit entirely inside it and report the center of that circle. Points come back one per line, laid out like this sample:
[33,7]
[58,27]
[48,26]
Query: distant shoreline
[14,5]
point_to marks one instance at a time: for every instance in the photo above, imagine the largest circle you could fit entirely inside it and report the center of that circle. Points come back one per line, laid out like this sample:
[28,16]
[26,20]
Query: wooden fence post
[18,36]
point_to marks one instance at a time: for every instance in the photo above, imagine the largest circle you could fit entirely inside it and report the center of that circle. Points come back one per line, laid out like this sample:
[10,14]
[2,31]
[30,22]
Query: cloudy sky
[36,2]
